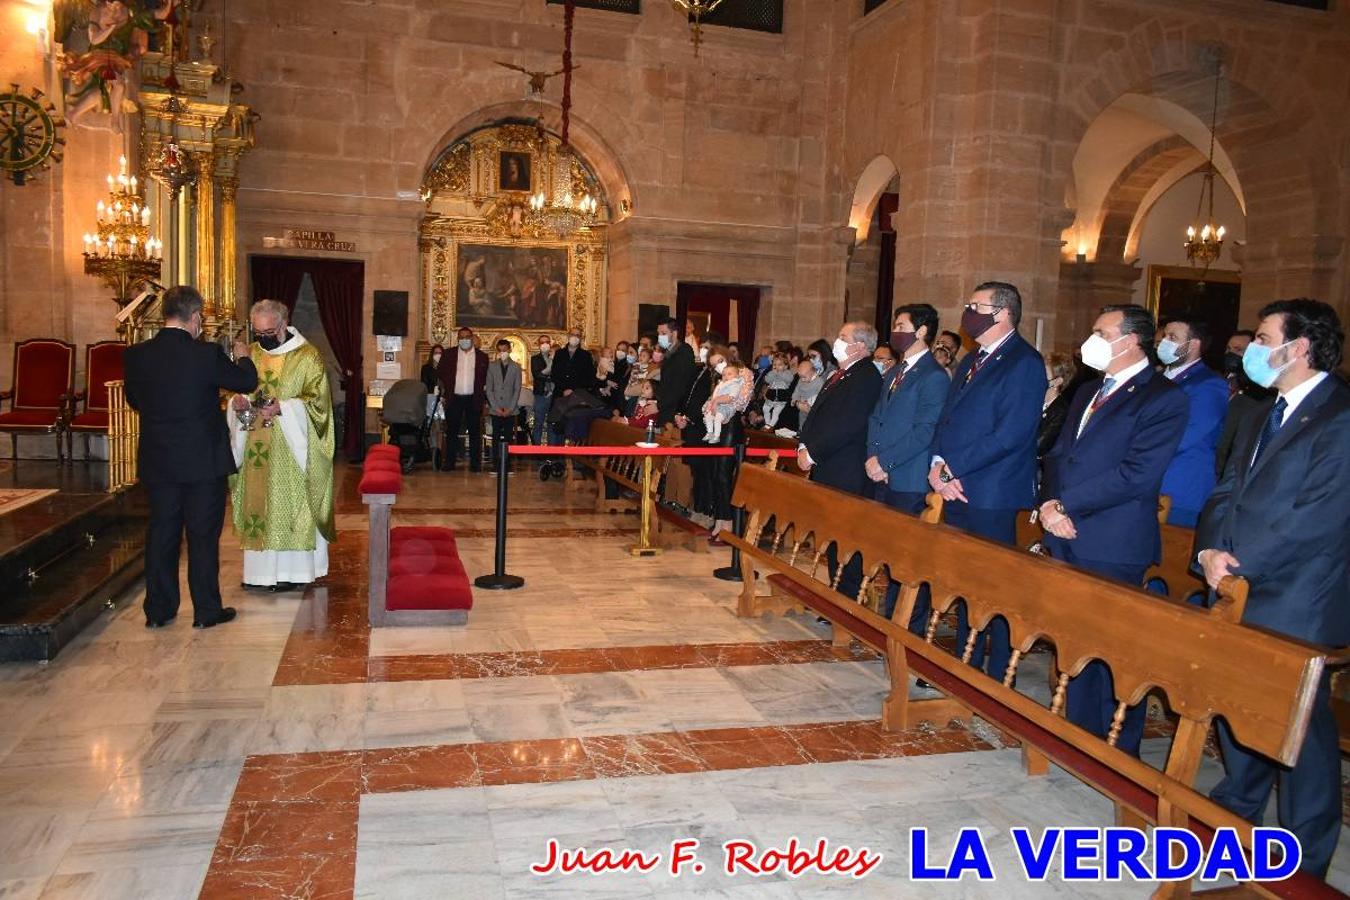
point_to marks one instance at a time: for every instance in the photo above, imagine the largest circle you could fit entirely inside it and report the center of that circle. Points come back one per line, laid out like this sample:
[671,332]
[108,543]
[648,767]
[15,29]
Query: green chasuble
[278,505]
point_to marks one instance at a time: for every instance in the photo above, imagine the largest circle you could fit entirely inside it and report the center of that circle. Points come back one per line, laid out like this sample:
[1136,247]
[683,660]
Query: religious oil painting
[514,171]
[511,287]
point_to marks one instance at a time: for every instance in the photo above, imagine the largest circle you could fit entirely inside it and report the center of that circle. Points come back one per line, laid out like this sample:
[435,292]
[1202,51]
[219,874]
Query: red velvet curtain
[339,286]
[715,299]
[888,205]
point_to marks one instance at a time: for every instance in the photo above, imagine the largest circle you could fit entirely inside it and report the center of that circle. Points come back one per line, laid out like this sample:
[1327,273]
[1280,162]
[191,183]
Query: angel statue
[102,76]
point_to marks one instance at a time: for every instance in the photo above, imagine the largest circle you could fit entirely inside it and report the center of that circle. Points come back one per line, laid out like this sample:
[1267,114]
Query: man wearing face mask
[677,371]
[463,374]
[573,367]
[984,450]
[174,381]
[1190,477]
[283,494]
[900,431]
[502,391]
[541,383]
[832,443]
[1101,481]
[1280,518]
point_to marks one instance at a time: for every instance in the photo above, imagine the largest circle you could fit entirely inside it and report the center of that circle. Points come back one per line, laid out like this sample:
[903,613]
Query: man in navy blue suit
[1101,483]
[984,451]
[900,431]
[1191,475]
[1280,518]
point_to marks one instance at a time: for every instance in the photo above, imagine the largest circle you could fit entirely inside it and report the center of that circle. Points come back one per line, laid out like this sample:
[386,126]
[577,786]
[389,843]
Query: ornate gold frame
[466,205]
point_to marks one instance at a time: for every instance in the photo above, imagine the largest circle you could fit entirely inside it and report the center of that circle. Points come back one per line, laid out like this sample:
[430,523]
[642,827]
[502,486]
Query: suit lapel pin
[1130,389]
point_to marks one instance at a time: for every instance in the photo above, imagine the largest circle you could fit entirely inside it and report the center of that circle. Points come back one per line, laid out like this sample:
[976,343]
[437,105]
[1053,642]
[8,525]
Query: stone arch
[1146,178]
[1272,133]
[585,139]
[871,184]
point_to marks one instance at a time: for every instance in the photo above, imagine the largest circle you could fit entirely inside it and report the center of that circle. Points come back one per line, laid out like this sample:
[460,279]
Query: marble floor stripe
[291,827]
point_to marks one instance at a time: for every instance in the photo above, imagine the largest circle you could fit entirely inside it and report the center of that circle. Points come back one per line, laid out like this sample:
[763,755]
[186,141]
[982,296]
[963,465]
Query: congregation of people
[1255,458]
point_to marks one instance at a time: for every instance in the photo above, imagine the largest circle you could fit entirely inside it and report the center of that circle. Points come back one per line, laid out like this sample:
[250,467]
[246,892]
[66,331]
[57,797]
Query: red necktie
[834,376]
[904,366]
[980,360]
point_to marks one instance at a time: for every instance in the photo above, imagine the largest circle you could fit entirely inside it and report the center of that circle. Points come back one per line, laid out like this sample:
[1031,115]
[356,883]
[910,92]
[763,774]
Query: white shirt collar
[1297,395]
[294,342]
[912,361]
[1125,375]
[990,351]
[1175,373]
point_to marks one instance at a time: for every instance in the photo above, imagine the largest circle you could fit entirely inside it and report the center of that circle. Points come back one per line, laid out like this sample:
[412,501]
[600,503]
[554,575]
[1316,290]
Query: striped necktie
[980,360]
[900,376]
[1097,402]
[1272,427]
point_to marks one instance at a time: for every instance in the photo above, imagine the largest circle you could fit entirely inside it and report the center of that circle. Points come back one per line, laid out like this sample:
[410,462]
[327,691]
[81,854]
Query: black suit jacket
[174,382]
[1287,518]
[836,429]
[677,375]
[573,371]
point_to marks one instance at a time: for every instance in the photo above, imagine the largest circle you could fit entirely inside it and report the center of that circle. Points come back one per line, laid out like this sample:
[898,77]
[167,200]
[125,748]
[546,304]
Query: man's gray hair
[864,332]
[271,308]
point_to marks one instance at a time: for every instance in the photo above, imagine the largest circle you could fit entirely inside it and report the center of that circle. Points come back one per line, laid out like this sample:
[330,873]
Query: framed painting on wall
[1214,297]
[513,171]
[511,286]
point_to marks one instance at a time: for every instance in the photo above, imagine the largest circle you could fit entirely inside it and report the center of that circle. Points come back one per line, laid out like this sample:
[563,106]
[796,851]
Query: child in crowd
[809,383]
[642,372]
[731,395]
[777,389]
[645,411]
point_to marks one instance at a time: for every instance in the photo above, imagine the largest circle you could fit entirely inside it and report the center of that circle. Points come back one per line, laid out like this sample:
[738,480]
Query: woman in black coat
[1062,373]
[429,376]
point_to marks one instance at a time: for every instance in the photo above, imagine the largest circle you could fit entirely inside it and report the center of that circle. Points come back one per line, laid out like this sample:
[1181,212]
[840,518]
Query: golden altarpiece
[513,244]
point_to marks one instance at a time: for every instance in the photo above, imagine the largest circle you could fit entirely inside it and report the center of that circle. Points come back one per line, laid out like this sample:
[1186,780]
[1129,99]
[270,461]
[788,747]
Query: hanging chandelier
[173,166]
[1204,237]
[696,10]
[121,251]
[558,210]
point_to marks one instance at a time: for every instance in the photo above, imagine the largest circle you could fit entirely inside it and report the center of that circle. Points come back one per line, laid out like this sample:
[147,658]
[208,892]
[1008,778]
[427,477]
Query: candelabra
[121,252]
[1204,239]
[696,10]
[564,217]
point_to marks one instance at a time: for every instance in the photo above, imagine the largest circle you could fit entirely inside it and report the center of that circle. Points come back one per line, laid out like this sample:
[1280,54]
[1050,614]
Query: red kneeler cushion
[427,564]
[428,592]
[381,483]
[90,421]
[420,533]
[382,465]
[382,451]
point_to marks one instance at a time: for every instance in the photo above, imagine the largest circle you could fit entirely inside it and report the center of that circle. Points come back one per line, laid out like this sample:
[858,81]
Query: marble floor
[612,702]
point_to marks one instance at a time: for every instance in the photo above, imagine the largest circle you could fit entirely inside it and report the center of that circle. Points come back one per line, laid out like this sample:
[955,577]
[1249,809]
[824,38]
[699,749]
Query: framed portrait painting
[510,286]
[513,171]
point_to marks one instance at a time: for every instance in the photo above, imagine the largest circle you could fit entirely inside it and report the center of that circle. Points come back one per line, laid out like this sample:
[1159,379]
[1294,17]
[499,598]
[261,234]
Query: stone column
[205,200]
[229,266]
[1084,288]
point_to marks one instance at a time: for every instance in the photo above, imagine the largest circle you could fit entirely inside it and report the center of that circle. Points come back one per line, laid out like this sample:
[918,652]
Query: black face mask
[1232,363]
[269,341]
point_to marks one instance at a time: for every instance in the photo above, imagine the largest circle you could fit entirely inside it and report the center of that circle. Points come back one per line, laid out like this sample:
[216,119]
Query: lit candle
[133,184]
[110,182]
[1220,234]
[1190,232]
[1204,233]
[122,161]
[102,211]
[145,215]
[88,242]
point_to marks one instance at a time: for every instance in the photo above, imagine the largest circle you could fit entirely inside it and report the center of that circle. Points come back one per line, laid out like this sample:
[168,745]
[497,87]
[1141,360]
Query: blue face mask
[817,364]
[664,341]
[881,366]
[1256,363]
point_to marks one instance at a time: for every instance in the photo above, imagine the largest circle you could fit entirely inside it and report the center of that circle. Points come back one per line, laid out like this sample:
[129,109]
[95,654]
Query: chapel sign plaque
[297,239]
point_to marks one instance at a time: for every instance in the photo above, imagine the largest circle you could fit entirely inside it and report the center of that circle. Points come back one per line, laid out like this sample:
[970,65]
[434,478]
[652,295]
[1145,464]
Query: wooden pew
[786,447]
[1263,685]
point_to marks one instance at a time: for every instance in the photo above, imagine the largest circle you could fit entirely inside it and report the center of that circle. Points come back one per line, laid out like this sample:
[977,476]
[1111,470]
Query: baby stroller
[572,416]
[405,412]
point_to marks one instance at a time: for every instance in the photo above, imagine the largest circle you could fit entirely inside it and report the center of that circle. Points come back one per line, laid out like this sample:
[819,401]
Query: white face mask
[720,368]
[436,359]
[702,354]
[840,349]
[1097,353]
[1169,351]
[573,341]
[544,348]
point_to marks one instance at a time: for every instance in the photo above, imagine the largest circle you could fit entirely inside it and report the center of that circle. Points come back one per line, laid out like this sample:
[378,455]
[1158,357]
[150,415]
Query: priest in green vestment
[283,492]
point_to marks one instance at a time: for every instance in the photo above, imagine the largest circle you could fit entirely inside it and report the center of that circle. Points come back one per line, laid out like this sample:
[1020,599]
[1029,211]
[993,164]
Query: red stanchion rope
[630,450]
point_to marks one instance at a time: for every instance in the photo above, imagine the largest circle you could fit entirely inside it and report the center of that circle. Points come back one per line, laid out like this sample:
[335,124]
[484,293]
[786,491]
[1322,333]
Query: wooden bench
[416,577]
[786,447]
[1263,685]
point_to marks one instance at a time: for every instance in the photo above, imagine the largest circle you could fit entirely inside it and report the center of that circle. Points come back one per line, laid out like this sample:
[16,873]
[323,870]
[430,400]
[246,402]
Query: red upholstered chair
[102,364]
[44,374]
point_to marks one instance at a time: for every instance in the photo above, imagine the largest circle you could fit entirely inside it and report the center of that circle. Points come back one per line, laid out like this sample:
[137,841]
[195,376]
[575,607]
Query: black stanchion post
[499,580]
[733,571]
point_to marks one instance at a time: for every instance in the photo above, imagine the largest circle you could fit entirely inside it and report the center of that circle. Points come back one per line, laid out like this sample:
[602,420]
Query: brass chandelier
[696,10]
[1204,237]
[121,251]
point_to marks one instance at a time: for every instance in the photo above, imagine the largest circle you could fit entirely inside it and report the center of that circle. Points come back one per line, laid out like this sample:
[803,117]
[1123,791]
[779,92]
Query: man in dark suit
[1280,518]
[833,442]
[677,371]
[1190,477]
[573,367]
[984,451]
[174,381]
[900,431]
[463,373]
[1102,477]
